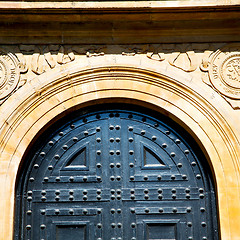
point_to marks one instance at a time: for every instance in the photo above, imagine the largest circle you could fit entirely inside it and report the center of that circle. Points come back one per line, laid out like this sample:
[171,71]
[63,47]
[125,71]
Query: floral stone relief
[220,65]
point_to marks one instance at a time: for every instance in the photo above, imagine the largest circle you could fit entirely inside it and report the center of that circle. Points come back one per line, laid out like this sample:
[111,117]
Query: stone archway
[63,90]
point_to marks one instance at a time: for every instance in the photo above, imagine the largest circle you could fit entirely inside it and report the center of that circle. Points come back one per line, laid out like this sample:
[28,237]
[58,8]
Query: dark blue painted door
[115,175]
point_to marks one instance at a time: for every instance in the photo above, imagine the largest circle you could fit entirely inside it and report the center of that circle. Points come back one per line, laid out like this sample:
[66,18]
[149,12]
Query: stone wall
[182,60]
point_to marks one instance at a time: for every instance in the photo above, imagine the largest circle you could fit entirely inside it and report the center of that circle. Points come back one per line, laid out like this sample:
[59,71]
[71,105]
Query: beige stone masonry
[137,79]
[115,5]
[180,58]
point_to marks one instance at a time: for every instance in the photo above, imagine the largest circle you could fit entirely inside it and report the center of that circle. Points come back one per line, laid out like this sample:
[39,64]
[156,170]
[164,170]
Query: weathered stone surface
[181,58]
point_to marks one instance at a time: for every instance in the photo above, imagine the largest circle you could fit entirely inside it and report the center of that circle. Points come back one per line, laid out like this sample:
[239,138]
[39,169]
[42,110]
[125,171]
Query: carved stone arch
[64,89]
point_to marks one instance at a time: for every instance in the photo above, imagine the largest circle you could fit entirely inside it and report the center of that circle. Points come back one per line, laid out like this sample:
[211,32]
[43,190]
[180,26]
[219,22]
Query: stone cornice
[121,5]
[128,7]
[116,23]
[85,11]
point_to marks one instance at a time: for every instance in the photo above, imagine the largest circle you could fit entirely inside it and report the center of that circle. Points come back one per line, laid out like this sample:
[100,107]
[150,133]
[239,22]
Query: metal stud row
[159,177]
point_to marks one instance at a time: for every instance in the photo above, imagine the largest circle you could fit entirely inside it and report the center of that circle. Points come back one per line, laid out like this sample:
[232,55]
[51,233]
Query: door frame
[54,94]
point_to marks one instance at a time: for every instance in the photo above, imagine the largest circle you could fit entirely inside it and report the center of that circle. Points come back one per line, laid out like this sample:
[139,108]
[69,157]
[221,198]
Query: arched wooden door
[115,174]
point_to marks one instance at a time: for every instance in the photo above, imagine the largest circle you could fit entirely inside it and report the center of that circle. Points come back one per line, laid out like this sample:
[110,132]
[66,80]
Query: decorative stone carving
[220,65]
[132,51]
[156,56]
[156,53]
[184,58]
[95,51]
[180,56]
[224,73]
[44,57]
[9,74]
[205,61]
[65,56]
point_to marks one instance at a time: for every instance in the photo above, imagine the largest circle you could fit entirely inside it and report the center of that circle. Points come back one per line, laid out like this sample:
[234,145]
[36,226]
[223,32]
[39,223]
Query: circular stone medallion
[9,74]
[224,71]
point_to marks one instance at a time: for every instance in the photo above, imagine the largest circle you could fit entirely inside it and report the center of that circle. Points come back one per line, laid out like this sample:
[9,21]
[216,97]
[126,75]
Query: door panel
[112,175]
[71,231]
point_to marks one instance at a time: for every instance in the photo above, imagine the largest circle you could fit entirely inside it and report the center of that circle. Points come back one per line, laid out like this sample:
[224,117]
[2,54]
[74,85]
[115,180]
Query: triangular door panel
[150,159]
[79,159]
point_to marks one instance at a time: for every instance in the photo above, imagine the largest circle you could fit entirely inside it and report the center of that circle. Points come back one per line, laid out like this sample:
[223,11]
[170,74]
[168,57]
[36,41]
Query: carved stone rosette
[224,73]
[9,74]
